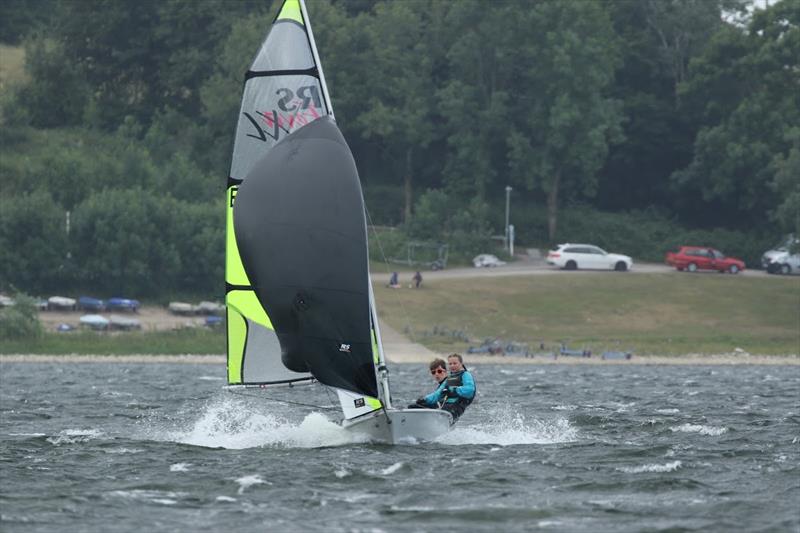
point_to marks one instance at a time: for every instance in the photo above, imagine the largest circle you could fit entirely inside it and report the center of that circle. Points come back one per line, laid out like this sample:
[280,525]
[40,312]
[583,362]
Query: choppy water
[160,447]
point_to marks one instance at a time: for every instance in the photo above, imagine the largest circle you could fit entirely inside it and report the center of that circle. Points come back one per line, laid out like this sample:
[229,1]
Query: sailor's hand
[445,392]
[420,401]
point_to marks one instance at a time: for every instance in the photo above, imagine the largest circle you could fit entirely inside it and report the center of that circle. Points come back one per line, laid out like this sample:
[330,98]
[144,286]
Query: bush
[20,321]
[440,217]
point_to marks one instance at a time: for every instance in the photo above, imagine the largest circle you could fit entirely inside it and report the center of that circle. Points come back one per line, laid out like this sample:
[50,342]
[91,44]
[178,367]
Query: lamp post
[508,204]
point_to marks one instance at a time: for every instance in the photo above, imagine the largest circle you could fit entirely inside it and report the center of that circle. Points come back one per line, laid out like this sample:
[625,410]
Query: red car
[694,258]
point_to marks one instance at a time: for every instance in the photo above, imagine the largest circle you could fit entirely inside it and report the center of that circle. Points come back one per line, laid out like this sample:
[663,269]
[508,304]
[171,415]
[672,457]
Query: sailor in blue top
[456,392]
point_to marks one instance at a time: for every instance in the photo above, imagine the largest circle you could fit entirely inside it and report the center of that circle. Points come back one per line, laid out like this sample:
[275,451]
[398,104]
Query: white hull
[401,426]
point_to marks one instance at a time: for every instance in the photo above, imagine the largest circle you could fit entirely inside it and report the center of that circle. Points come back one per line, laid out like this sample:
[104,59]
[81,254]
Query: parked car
[781,248]
[122,304]
[575,256]
[694,258]
[487,260]
[784,263]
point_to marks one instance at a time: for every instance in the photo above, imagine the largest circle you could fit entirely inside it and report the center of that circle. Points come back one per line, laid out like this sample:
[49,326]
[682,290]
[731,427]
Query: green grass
[661,314]
[664,314]
[186,341]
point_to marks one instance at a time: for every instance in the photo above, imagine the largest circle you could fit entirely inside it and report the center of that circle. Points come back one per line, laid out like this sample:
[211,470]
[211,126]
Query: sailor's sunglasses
[438,371]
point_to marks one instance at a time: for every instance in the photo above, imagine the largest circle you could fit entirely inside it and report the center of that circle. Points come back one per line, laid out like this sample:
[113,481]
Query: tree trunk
[552,207]
[407,190]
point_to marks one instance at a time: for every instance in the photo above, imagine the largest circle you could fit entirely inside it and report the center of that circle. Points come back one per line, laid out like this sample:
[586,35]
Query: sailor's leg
[456,409]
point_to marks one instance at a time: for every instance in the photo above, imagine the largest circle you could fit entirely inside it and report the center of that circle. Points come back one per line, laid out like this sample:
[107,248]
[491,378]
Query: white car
[487,260]
[784,263]
[575,256]
[781,248]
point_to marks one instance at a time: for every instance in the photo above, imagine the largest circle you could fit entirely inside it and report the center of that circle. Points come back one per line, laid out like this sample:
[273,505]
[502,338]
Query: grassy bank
[664,314]
[193,341]
[661,314]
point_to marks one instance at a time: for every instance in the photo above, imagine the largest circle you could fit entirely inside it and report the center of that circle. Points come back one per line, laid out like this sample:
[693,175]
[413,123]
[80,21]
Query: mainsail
[298,292]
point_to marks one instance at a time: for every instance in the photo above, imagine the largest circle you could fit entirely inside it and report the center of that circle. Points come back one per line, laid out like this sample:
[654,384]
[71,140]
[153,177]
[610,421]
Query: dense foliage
[634,124]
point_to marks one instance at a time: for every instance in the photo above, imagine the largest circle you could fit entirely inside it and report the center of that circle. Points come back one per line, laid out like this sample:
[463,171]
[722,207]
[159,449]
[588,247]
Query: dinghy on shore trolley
[300,307]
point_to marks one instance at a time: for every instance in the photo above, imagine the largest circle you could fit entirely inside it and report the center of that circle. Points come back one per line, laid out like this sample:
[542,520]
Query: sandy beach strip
[424,358]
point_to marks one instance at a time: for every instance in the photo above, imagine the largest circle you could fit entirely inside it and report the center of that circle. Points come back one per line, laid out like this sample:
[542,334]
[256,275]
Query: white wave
[156,496]
[342,473]
[508,429]
[668,411]
[209,378]
[27,434]
[230,423]
[179,467]
[696,428]
[248,481]
[567,407]
[122,451]
[668,467]
[224,499]
[73,436]
[388,471]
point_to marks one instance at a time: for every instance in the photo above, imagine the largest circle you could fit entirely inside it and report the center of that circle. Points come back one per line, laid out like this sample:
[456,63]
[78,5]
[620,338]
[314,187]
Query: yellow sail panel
[247,305]
[376,357]
[291,11]
[234,270]
[237,334]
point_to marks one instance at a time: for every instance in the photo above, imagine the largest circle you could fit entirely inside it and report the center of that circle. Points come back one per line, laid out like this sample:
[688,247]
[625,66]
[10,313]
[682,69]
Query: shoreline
[688,359]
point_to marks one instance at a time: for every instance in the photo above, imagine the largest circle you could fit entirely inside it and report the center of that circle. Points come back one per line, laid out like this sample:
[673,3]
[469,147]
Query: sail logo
[344,348]
[294,110]
[359,402]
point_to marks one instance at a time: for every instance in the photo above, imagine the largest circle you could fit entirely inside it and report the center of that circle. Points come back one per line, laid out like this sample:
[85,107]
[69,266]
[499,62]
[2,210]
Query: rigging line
[403,311]
[261,397]
[328,393]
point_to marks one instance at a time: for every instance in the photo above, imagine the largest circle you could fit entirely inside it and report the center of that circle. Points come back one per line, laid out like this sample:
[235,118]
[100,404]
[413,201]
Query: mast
[314,52]
[382,371]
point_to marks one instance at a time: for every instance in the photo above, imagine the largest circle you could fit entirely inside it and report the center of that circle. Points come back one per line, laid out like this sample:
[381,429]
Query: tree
[561,120]
[746,136]
[33,242]
[399,110]
[56,94]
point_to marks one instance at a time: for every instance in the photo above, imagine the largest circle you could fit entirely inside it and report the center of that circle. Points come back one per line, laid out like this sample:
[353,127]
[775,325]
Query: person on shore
[456,392]
[438,368]
[417,279]
[393,281]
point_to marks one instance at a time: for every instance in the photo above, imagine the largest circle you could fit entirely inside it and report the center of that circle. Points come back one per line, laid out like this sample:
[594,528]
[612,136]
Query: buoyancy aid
[457,380]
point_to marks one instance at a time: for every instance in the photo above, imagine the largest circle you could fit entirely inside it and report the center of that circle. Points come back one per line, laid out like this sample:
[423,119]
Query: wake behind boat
[299,299]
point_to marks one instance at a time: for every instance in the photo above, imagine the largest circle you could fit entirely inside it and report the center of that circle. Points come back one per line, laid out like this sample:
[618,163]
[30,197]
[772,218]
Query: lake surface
[104,447]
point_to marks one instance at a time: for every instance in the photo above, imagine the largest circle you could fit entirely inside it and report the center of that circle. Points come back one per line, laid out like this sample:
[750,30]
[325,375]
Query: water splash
[508,429]
[232,423]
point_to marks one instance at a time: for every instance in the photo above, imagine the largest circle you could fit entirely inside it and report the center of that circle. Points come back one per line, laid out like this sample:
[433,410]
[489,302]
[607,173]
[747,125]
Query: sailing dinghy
[300,307]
